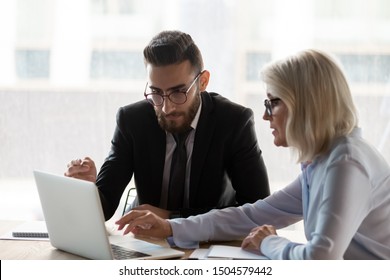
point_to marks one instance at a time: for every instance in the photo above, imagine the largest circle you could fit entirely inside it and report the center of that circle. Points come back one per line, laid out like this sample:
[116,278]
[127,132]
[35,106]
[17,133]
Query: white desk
[29,250]
[42,250]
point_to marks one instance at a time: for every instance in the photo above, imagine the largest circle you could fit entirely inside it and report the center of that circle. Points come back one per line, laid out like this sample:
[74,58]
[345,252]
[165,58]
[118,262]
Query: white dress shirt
[343,198]
[170,148]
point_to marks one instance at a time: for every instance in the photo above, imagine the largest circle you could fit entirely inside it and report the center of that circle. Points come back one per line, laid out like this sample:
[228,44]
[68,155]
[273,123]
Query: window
[66,66]
[113,7]
[254,62]
[117,65]
[32,64]
[366,68]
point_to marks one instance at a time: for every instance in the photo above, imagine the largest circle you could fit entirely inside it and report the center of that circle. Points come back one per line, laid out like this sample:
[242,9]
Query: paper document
[225,252]
[232,252]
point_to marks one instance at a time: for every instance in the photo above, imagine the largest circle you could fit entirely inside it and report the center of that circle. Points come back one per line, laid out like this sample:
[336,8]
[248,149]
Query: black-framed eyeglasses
[178,96]
[270,104]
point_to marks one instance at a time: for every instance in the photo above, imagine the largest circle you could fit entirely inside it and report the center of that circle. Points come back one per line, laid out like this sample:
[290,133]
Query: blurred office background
[66,66]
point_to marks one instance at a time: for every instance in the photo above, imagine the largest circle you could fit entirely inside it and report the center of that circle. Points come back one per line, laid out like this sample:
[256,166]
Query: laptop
[75,222]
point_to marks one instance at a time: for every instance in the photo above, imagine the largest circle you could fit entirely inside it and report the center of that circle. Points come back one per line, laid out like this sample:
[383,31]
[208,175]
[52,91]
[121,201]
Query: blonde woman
[342,194]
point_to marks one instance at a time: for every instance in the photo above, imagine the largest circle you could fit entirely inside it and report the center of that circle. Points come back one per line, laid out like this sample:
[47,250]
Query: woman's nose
[266,117]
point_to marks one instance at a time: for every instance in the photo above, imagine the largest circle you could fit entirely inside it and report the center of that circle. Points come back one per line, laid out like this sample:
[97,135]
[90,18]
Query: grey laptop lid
[75,221]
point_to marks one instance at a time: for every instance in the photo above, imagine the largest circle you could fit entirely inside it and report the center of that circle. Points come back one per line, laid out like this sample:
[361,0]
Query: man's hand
[83,169]
[253,241]
[146,223]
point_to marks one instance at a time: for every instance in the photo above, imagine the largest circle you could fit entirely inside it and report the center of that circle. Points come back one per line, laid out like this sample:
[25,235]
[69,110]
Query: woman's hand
[146,223]
[162,213]
[253,241]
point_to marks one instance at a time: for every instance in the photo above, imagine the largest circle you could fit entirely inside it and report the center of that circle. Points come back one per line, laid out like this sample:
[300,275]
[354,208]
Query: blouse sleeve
[339,208]
[280,209]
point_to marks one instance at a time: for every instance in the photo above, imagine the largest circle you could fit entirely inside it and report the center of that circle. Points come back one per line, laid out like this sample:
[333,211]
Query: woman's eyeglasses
[270,104]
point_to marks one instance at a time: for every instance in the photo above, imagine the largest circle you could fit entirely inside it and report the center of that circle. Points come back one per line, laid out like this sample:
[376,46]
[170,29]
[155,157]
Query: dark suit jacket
[227,166]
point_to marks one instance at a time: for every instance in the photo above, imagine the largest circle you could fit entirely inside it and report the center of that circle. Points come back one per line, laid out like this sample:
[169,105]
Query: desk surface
[29,250]
[43,250]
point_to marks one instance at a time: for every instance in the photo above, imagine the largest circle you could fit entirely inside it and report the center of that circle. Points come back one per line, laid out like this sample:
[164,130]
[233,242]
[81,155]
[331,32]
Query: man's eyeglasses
[177,96]
[270,104]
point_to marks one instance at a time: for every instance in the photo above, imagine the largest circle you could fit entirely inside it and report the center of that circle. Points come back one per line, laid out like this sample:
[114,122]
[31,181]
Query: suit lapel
[156,157]
[203,137]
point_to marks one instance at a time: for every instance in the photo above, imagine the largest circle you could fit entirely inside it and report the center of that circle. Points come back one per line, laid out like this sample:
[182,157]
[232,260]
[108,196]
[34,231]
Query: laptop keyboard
[122,253]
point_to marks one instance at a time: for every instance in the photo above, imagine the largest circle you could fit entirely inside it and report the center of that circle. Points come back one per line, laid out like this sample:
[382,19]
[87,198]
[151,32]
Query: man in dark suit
[223,165]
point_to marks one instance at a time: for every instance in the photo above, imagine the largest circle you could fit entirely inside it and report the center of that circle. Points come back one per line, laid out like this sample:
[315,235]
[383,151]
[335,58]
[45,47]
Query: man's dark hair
[173,47]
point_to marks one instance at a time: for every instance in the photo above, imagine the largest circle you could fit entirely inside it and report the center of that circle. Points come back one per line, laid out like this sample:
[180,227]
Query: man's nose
[167,105]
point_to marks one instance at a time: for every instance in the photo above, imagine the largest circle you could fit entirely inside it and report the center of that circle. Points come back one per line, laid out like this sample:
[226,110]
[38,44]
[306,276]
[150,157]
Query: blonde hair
[318,99]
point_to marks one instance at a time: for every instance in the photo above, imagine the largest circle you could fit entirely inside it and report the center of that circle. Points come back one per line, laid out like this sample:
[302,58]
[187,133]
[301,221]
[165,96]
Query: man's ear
[204,80]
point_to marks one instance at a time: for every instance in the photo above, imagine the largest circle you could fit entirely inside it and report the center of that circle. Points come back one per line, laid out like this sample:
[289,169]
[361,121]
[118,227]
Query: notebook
[75,222]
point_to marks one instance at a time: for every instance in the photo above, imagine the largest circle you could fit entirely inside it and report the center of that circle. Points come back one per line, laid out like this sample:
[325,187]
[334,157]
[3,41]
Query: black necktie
[178,172]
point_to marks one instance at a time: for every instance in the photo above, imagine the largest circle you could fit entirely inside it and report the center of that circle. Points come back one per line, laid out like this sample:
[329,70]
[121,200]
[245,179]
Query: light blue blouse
[342,197]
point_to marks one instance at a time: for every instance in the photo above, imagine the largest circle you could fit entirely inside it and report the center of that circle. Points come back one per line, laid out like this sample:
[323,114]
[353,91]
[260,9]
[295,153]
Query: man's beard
[171,126]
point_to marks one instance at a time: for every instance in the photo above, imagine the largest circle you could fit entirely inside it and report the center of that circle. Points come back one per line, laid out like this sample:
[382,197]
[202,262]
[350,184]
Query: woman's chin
[280,143]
